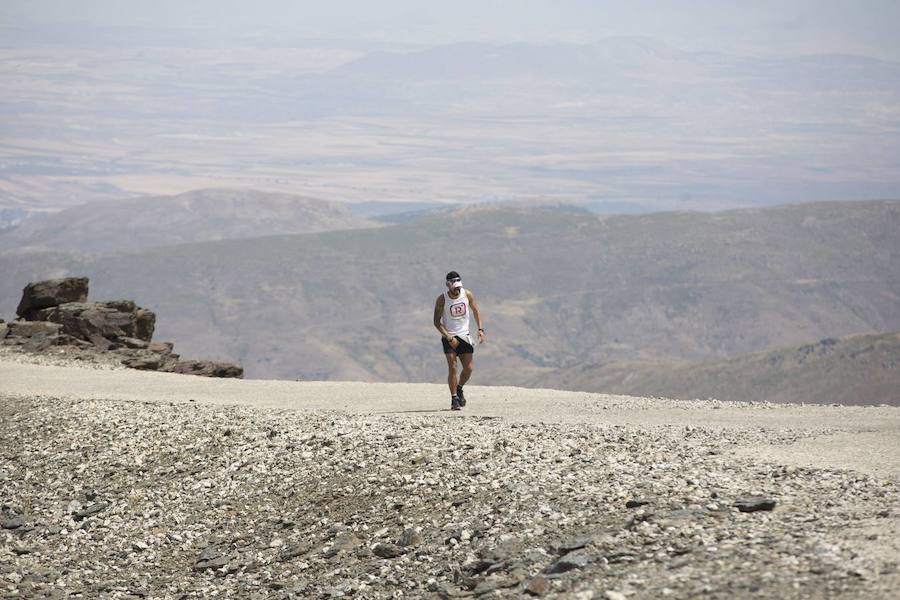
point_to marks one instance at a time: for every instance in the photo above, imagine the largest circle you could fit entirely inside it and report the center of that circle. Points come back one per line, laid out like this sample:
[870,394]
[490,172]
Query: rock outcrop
[55,314]
[52,292]
[111,320]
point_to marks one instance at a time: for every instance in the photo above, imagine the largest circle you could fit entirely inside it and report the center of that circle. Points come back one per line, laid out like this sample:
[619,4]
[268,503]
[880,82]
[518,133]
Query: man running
[451,317]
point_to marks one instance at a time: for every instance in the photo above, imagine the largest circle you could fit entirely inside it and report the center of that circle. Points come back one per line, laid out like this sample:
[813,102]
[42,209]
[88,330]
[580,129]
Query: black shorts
[463,347]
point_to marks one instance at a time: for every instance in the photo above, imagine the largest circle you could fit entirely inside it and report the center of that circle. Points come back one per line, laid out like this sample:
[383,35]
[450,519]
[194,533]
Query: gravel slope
[122,484]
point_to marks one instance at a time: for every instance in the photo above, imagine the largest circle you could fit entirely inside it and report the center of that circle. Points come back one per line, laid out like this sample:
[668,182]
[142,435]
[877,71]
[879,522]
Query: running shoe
[454,403]
[459,394]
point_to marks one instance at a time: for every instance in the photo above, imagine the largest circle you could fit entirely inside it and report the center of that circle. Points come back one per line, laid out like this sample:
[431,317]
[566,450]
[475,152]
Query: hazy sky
[758,27]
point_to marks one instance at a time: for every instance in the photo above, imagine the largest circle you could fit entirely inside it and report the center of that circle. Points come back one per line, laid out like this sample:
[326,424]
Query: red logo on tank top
[458,310]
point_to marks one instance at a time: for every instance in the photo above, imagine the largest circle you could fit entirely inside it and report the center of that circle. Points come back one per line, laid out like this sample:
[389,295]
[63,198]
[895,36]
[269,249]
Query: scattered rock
[754,503]
[91,510]
[210,558]
[383,550]
[537,586]
[314,511]
[293,551]
[13,522]
[344,542]
[409,538]
[636,502]
[575,543]
[572,560]
[491,585]
[208,368]
[480,566]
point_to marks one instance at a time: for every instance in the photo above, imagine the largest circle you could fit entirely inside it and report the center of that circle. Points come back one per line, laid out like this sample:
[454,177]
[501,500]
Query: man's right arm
[438,313]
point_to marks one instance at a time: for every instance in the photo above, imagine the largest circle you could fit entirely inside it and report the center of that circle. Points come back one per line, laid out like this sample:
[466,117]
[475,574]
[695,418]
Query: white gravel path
[866,439]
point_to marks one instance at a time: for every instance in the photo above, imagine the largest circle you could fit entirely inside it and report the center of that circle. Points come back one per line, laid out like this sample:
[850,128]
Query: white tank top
[456,314]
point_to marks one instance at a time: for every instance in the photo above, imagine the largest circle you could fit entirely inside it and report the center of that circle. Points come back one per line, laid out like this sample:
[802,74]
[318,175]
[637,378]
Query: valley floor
[119,483]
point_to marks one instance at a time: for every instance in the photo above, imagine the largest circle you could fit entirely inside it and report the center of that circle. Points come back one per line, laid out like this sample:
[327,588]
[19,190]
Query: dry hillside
[863,369]
[134,224]
[559,288]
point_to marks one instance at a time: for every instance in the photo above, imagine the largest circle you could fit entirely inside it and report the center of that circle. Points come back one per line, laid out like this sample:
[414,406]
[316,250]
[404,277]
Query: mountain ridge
[858,369]
[558,288]
[134,224]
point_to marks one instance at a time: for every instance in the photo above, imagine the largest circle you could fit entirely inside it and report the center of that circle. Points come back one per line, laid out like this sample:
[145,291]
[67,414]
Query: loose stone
[572,560]
[537,586]
[387,550]
[754,503]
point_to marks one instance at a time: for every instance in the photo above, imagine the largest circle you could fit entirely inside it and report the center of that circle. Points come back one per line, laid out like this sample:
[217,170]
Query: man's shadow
[402,412]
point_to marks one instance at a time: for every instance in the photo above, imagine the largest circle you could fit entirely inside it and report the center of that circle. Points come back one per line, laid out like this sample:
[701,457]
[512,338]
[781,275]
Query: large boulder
[52,292]
[208,368]
[144,324]
[106,320]
[144,320]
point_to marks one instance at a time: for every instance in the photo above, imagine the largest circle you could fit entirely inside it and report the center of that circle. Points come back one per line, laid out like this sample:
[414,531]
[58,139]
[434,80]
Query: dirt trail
[860,438]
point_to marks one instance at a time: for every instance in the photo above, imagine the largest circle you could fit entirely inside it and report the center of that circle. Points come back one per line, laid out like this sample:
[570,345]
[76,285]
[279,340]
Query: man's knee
[467,370]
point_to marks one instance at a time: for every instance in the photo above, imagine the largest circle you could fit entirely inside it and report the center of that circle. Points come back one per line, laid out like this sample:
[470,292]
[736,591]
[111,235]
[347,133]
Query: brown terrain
[561,289]
[862,369]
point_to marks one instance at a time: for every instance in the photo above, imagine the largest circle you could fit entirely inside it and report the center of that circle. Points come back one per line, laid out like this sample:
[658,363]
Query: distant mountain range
[862,369]
[560,289]
[623,64]
[135,224]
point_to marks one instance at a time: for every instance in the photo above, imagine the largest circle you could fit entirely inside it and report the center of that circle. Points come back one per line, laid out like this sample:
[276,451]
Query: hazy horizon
[764,27]
[652,105]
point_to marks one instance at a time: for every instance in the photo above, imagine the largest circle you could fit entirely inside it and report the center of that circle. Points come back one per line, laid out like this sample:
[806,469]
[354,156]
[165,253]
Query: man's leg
[466,360]
[452,381]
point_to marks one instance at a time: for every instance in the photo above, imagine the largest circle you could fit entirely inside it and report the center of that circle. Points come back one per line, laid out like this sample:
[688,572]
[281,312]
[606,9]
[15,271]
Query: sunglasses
[454,280]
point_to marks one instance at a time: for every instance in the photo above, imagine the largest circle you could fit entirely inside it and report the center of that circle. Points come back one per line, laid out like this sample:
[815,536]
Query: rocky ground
[181,499]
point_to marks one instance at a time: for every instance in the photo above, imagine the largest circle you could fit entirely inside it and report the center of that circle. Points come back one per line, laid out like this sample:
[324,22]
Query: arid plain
[627,122]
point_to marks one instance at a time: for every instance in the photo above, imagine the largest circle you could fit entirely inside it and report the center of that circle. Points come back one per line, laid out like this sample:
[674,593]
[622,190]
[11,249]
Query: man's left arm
[477,314]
